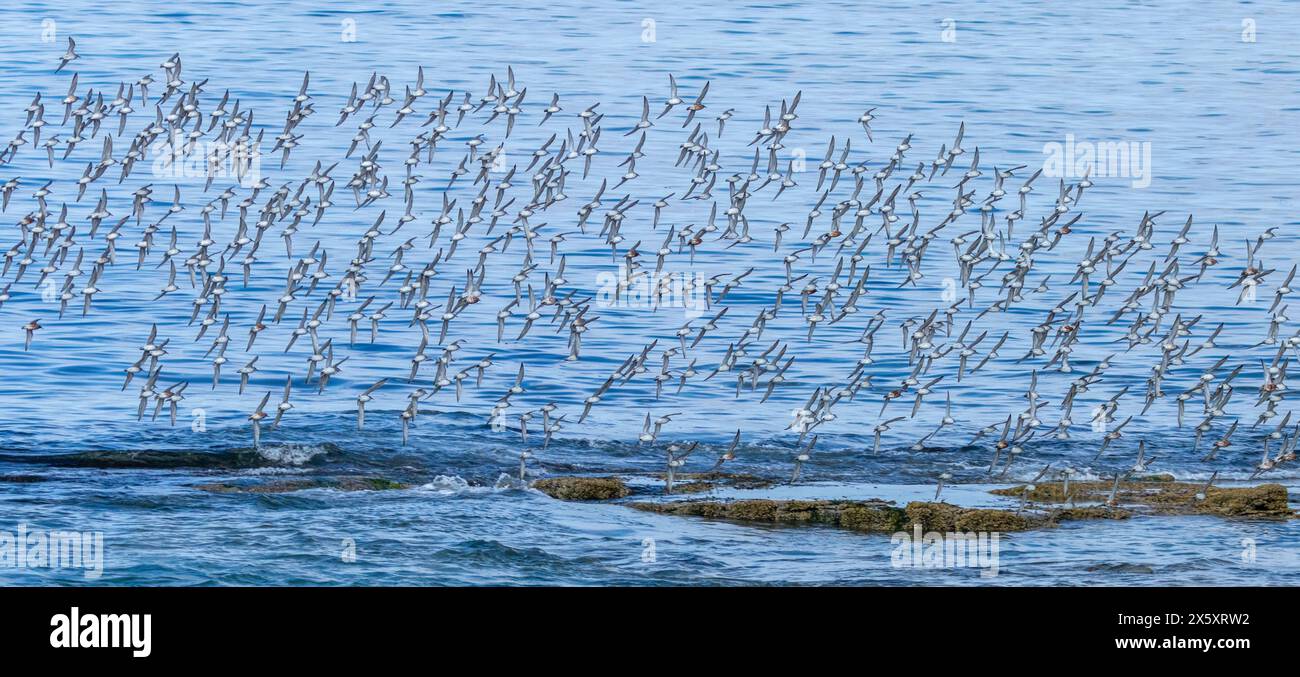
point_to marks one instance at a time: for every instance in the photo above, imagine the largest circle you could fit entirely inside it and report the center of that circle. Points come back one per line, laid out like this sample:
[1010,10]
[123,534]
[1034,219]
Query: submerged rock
[1122,568]
[302,484]
[368,484]
[23,479]
[582,488]
[168,460]
[1164,497]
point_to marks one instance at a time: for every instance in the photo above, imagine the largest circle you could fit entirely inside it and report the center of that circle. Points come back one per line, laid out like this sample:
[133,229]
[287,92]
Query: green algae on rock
[872,516]
[1166,497]
[992,520]
[582,488]
[1265,500]
[860,515]
[945,517]
[932,516]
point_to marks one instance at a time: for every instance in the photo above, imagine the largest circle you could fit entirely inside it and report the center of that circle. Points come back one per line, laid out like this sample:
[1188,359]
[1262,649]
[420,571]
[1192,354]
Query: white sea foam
[290,454]
[446,485]
[277,470]
[451,485]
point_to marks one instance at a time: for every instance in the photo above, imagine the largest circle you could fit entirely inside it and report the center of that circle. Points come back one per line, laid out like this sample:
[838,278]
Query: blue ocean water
[1213,95]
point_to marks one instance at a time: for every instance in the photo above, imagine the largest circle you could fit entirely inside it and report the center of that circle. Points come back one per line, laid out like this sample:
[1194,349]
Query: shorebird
[68,56]
[673,99]
[943,477]
[257,417]
[879,430]
[1205,489]
[729,454]
[676,459]
[284,404]
[803,457]
[30,328]
[1128,285]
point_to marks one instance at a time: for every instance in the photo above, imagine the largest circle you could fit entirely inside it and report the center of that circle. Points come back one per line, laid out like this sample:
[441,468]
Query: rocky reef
[872,516]
[1046,505]
[582,488]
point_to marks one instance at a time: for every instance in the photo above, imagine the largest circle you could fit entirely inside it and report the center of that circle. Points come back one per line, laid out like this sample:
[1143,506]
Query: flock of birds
[856,205]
